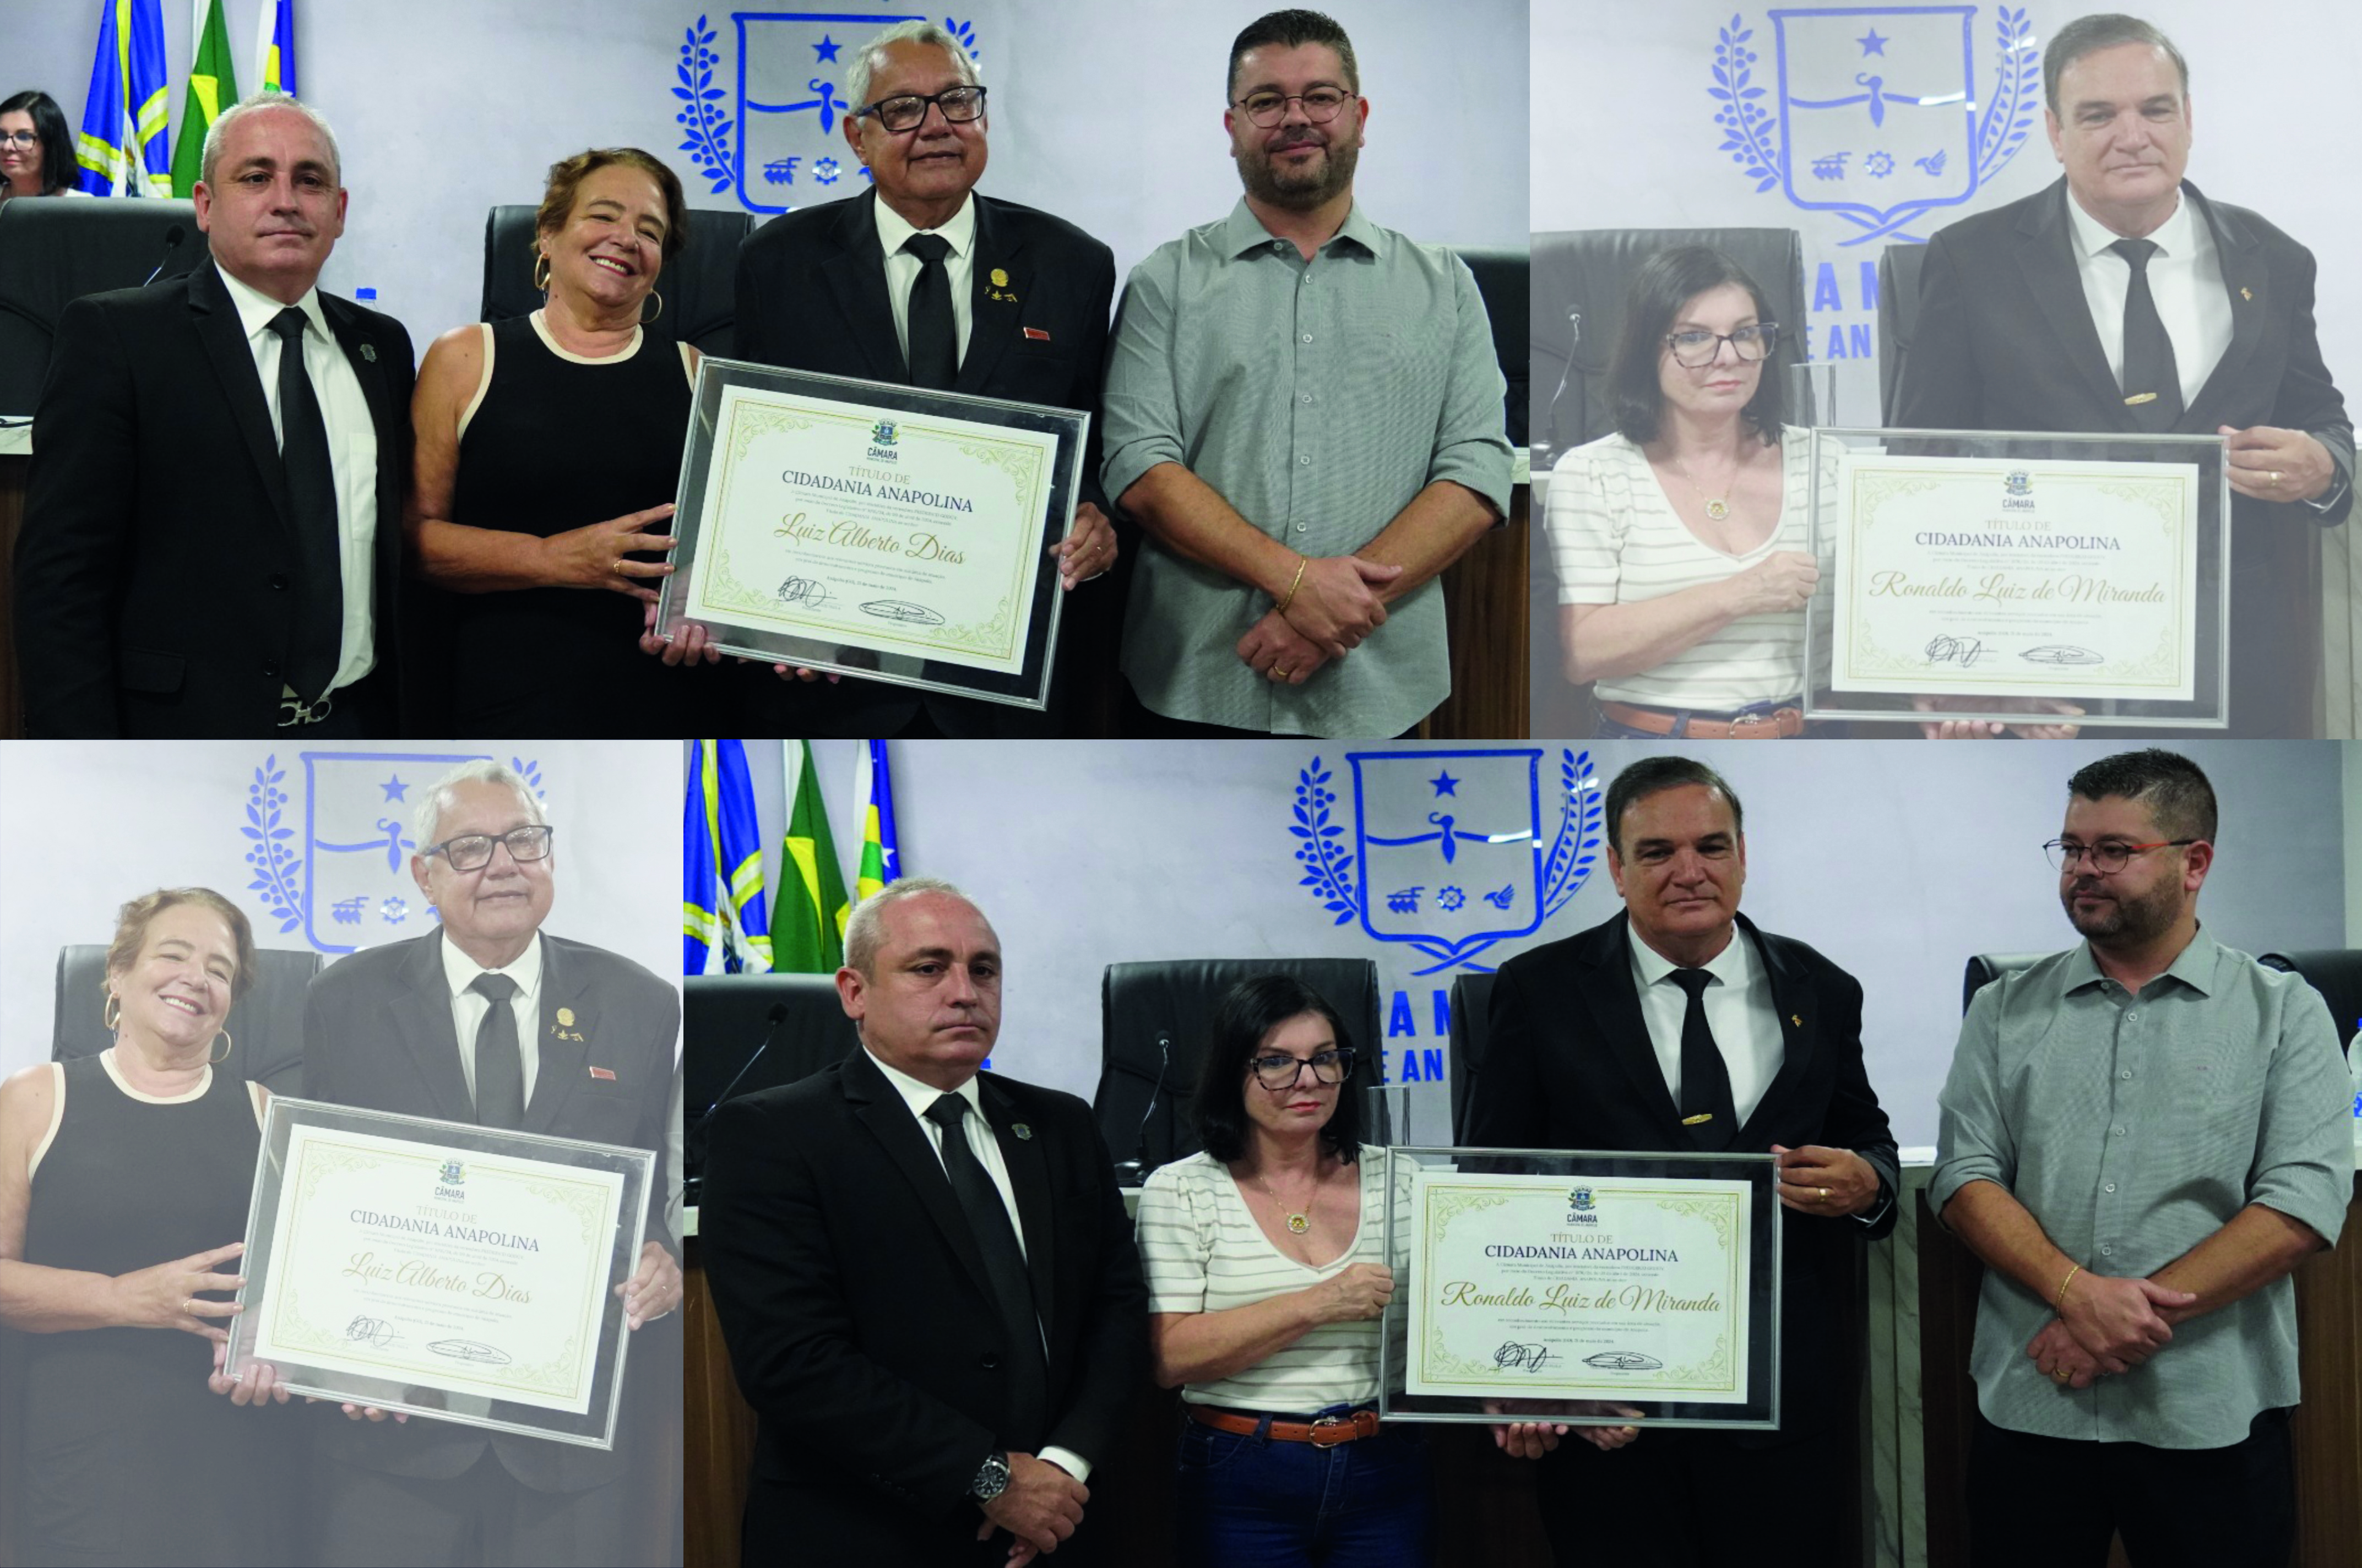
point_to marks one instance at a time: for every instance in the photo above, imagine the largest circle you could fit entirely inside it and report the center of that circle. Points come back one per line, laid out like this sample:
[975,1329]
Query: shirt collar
[459,970]
[918,1096]
[2194,966]
[959,229]
[256,309]
[2175,237]
[1734,965]
[1242,231]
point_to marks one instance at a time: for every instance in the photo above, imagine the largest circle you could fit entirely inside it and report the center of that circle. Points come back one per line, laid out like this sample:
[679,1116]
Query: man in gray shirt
[2141,1137]
[1303,413]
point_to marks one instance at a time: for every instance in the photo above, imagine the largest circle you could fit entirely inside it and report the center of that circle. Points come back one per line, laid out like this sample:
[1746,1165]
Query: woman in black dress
[124,1184]
[548,451]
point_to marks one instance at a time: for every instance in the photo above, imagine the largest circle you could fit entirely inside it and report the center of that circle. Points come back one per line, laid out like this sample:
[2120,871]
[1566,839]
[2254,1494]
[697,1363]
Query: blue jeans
[1247,1502]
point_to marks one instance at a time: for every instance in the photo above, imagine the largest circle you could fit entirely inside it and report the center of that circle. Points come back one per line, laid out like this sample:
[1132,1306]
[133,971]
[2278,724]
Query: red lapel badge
[604,1075]
[1037,334]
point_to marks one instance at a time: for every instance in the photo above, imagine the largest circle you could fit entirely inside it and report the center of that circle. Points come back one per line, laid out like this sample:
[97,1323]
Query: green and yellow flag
[808,938]
[212,87]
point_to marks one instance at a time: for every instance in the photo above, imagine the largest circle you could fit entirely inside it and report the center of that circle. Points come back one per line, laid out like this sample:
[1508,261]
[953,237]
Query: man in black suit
[919,280]
[212,542]
[924,1273]
[490,1020]
[1661,1031]
[2110,303]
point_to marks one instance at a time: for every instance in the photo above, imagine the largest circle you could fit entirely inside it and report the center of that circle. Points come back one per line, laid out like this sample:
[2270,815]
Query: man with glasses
[2141,1137]
[1678,1025]
[1304,413]
[490,1020]
[922,281]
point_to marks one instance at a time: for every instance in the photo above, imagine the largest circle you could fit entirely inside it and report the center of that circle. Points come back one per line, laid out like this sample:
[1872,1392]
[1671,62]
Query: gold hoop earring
[541,271]
[211,1060]
[660,300]
[110,1012]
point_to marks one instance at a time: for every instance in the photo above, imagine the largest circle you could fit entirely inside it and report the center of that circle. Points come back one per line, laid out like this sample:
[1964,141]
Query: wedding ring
[1279,672]
[2059,1373]
[618,567]
[1825,1194]
[2276,479]
[189,1306]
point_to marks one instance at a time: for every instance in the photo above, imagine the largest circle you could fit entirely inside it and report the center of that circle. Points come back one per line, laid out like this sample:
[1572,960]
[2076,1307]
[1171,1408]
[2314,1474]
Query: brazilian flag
[813,905]
[212,87]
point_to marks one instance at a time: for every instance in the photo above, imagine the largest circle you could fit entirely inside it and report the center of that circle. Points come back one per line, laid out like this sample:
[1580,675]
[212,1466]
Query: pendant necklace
[1716,507]
[1298,1221]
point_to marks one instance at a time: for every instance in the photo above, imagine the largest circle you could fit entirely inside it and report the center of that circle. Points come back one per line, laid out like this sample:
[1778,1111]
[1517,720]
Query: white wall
[1109,114]
[86,825]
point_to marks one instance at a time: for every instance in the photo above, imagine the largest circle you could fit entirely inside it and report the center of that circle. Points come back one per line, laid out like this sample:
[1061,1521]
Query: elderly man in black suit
[492,1020]
[923,1272]
[922,281]
[212,542]
[1663,1030]
[2108,302]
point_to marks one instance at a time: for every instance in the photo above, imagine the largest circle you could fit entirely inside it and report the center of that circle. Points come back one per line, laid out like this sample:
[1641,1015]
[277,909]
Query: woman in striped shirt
[1267,1287]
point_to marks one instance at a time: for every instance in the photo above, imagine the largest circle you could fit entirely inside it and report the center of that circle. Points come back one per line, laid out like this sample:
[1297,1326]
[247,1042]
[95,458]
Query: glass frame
[1287,98]
[875,108]
[1767,334]
[549,842]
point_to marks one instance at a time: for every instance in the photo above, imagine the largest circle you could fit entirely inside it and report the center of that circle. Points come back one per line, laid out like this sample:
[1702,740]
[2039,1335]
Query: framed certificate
[1976,574]
[1594,1288]
[880,531]
[453,1271]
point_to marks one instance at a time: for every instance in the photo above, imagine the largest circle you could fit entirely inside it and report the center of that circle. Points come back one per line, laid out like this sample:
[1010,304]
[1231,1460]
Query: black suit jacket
[1568,1064]
[860,1324]
[811,296]
[157,569]
[378,1034]
[2003,340]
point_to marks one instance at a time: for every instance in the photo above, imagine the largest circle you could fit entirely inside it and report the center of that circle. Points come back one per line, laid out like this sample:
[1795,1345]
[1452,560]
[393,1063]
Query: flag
[274,48]
[122,148]
[881,848]
[722,913]
[212,87]
[813,905]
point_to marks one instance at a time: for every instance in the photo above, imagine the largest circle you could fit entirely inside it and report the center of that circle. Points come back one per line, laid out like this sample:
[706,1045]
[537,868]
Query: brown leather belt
[1780,724]
[1327,1431]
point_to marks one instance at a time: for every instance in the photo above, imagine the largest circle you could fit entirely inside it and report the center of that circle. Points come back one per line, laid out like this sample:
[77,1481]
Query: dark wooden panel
[720,1441]
[13,472]
[1484,604]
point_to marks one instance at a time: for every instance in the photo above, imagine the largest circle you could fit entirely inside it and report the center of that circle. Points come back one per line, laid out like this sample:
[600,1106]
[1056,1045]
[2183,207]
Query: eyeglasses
[2107,857]
[905,111]
[19,138]
[1334,1066]
[1320,105]
[473,851]
[1695,350]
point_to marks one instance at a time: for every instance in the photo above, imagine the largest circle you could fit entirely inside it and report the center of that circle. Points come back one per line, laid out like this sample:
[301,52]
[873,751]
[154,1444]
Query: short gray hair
[2086,35]
[268,100]
[865,59]
[864,930]
[428,818]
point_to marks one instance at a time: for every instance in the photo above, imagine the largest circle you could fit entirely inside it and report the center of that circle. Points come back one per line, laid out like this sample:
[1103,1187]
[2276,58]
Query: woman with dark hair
[37,155]
[1267,1284]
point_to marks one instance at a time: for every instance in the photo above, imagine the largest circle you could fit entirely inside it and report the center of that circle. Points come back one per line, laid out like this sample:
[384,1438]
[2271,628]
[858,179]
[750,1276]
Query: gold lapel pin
[1025,1134]
[1000,279]
[2247,294]
[1797,1019]
[565,1016]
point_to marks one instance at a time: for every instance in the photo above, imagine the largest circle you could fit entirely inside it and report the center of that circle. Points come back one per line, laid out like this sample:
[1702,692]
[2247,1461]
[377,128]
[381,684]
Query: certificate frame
[425,1180]
[860,596]
[2066,484]
[1595,1199]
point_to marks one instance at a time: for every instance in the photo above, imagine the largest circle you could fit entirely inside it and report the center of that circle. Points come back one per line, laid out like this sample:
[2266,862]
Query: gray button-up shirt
[2133,1128]
[1318,398]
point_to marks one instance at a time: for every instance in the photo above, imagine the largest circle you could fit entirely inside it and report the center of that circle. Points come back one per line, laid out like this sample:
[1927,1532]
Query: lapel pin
[2247,294]
[1000,279]
[1025,1134]
[368,352]
[565,1016]
[604,1075]
[1797,1019]
[1037,334]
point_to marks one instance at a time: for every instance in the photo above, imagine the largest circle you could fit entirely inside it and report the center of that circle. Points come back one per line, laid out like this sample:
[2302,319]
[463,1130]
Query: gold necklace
[1298,1221]
[1716,507]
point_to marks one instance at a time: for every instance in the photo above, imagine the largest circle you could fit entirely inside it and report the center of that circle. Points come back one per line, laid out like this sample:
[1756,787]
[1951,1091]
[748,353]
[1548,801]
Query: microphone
[695,1142]
[1574,320]
[172,238]
[1134,1171]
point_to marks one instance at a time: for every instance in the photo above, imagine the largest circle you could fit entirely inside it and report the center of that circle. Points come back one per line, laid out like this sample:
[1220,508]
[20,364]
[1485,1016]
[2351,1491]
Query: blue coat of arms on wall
[1873,113]
[1447,851]
[779,145]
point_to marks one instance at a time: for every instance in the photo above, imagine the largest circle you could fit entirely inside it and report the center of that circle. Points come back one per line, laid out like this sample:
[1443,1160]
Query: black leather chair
[2336,973]
[1986,968]
[55,250]
[1472,1007]
[773,1028]
[698,286]
[1898,313]
[1155,1018]
[1506,280]
[266,1026]
[1580,281]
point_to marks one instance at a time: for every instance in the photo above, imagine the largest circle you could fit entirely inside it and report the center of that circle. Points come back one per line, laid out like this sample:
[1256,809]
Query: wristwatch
[992,1479]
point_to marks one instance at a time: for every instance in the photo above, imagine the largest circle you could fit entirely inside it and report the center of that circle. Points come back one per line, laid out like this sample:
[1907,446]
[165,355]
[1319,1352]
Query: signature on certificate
[1960,651]
[1531,1357]
[1623,1361]
[375,1332]
[2061,653]
[902,610]
[469,1350]
[803,591]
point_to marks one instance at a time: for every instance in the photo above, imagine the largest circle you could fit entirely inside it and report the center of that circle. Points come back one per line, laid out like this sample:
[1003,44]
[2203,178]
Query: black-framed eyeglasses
[473,851]
[19,138]
[1695,350]
[1332,1066]
[2106,857]
[1268,109]
[907,110]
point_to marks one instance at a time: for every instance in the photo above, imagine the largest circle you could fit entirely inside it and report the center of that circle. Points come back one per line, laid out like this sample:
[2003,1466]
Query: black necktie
[500,1066]
[935,336]
[2148,352]
[1706,1079]
[1004,1268]
[312,490]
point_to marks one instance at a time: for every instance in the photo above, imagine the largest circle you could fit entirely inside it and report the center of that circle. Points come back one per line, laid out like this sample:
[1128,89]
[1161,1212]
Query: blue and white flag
[125,148]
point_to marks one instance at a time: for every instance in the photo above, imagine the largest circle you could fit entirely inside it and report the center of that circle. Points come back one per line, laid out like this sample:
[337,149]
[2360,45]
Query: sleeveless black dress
[129,1457]
[557,444]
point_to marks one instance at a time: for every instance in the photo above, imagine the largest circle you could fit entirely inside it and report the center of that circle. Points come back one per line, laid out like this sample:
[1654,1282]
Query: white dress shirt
[2185,278]
[1737,1009]
[918,1096]
[902,268]
[352,456]
[469,1007]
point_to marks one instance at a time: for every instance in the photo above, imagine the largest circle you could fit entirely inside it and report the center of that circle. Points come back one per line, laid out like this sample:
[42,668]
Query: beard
[2132,920]
[1298,191]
